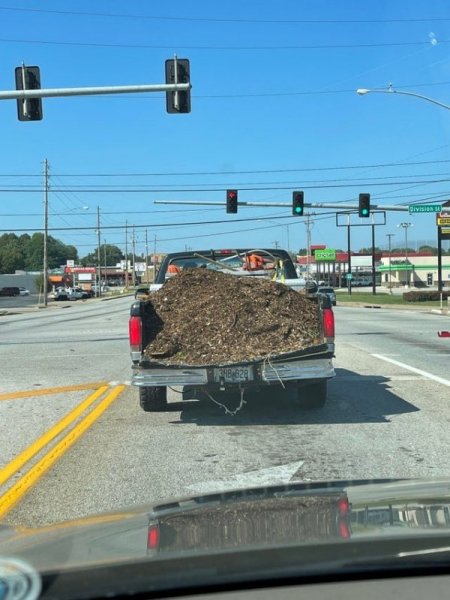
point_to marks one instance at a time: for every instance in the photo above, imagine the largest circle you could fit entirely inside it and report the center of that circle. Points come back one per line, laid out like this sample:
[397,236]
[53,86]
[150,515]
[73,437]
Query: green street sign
[424,208]
[328,254]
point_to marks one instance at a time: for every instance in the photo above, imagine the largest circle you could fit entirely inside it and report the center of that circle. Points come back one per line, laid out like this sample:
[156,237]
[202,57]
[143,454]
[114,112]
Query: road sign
[328,254]
[349,276]
[442,221]
[424,208]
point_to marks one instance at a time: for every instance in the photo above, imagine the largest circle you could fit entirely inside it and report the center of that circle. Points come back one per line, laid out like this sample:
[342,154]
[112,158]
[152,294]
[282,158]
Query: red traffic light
[232,201]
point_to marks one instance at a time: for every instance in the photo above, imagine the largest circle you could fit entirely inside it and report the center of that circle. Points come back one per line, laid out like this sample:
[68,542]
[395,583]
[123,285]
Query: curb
[427,309]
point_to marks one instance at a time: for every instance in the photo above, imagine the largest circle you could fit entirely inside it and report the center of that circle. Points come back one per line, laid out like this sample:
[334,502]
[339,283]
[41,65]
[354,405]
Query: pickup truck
[306,370]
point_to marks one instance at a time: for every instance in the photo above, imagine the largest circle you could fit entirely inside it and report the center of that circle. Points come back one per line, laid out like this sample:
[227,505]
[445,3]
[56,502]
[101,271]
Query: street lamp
[391,90]
[405,228]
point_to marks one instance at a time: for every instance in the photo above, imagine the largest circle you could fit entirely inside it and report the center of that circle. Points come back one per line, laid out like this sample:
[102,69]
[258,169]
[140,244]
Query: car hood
[293,514]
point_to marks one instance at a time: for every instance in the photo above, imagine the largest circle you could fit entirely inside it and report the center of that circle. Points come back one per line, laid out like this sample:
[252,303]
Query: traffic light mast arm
[313,205]
[93,91]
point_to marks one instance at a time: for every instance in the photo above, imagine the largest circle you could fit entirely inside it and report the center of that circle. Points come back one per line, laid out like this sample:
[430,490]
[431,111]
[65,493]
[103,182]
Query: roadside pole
[374,285]
[99,258]
[45,273]
[349,256]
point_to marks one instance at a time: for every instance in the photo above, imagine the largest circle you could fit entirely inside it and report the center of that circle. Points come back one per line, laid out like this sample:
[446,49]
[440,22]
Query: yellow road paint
[17,463]
[53,390]
[21,487]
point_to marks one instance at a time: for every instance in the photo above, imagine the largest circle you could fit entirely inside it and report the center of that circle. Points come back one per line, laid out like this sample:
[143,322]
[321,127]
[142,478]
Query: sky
[274,109]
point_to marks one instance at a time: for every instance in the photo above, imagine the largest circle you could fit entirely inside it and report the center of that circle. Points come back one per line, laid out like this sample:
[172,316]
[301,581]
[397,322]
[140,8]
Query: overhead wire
[227,48]
[233,20]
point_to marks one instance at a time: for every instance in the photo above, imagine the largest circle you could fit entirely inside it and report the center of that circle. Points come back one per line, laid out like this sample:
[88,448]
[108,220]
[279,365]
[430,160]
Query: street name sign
[424,208]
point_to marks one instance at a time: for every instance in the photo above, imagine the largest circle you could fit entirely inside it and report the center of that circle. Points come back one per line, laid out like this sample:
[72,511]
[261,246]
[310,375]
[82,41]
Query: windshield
[224,265]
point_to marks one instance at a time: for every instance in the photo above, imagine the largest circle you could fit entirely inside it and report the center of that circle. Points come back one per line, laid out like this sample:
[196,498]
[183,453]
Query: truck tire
[313,396]
[153,399]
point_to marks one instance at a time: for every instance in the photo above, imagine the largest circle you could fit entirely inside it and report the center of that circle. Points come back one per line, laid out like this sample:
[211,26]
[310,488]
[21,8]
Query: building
[417,270]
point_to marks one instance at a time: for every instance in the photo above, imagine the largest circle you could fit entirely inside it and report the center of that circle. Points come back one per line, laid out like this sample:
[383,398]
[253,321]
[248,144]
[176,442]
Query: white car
[23,291]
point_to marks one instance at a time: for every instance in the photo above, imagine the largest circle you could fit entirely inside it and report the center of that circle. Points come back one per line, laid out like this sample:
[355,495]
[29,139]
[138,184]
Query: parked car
[78,294]
[329,291]
[23,291]
[61,294]
[10,291]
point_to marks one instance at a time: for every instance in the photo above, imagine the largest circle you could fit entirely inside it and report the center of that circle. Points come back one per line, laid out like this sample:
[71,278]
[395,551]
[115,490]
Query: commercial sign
[328,254]
[80,270]
[424,208]
[70,263]
[443,220]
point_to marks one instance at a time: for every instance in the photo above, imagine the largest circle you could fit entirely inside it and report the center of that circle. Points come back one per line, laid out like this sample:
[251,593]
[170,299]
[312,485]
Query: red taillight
[153,537]
[328,323]
[344,530]
[135,331]
[344,507]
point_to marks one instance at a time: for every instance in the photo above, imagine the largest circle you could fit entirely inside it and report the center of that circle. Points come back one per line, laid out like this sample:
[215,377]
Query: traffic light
[232,201]
[28,78]
[297,204]
[178,102]
[364,206]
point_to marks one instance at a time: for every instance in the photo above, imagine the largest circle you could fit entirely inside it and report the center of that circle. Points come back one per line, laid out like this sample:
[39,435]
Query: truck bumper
[263,373]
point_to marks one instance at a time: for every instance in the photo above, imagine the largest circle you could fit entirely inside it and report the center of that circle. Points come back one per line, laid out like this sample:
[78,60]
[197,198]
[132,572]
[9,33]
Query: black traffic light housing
[178,102]
[232,201]
[297,204]
[28,78]
[364,206]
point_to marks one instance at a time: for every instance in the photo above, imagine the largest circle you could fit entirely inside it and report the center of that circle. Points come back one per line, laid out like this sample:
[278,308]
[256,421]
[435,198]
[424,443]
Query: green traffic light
[298,210]
[365,211]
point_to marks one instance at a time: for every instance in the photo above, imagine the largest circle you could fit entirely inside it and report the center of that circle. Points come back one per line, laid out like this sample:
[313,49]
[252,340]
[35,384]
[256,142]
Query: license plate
[233,374]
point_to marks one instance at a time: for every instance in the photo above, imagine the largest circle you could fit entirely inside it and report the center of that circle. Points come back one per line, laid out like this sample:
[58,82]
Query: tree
[11,253]
[113,256]
[369,250]
[429,249]
[39,280]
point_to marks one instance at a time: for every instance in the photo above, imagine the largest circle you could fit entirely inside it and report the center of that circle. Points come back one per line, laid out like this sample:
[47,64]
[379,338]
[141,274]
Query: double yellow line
[23,485]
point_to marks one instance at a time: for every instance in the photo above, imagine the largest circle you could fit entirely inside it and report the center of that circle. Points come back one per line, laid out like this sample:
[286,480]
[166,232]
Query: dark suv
[10,291]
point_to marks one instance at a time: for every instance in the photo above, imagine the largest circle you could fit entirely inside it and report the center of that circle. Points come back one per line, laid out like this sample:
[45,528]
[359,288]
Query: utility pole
[106,264]
[154,259]
[390,235]
[405,229]
[99,263]
[45,274]
[349,251]
[146,256]
[126,254]
[308,246]
[133,273]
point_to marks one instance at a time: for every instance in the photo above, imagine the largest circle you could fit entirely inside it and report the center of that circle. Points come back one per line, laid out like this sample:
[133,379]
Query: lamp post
[391,90]
[390,235]
[405,228]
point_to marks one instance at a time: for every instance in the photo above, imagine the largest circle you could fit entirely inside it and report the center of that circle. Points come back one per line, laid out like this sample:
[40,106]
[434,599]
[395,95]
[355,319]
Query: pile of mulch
[202,317]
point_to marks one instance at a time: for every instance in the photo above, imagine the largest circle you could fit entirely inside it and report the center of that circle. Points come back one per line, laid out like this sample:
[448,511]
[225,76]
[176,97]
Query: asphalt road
[388,415]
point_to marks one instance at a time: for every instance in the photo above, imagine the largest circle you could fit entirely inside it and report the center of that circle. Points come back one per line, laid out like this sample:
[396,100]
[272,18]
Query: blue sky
[273,108]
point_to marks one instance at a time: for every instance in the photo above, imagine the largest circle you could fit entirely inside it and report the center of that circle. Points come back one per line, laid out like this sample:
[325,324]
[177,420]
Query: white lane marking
[414,370]
[348,378]
[262,477]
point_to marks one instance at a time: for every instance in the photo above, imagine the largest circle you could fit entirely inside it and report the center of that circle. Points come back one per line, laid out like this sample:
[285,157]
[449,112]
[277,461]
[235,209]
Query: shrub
[424,296]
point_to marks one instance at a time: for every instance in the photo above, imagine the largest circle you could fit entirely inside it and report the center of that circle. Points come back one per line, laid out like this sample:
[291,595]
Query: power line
[241,172]
[242,189]
[222,20]
[153,225]
[221,48]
